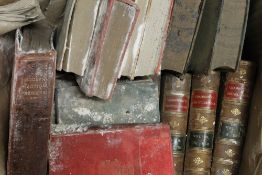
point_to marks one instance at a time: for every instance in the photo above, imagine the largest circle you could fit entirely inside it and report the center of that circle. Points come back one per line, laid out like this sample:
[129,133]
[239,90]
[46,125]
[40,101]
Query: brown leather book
[233,118]
[31,101]
[202,118]
[174,111]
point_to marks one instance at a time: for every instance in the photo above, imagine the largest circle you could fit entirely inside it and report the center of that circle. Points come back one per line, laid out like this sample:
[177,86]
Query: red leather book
[117,150]
[31,101]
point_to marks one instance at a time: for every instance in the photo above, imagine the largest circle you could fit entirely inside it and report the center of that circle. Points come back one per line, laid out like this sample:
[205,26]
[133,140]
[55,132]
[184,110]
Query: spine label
[233,131]
[204,99]
[236,91]
[176,103]
[178,142]
[201,140]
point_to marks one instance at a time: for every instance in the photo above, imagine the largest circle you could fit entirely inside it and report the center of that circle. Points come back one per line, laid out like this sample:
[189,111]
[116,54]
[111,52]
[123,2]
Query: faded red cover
[121,150]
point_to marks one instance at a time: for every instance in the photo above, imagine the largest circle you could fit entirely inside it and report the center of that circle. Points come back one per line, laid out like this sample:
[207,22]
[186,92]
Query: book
[205,37]
[75,40]
[18,14]
[31,100]
[174,111]
[145,51]
[202,117]
[108,49]
[230,35]
[183,28]
[124,149]
[233,119]
[6,59]
[132,102]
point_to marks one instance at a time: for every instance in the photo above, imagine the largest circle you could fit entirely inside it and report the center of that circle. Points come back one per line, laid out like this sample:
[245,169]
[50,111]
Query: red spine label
[176,103]
[204,99]
[236,91]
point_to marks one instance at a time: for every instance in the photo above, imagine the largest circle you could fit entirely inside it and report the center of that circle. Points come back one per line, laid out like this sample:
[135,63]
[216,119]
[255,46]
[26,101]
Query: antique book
[110,41]
[6,59]
[132,102]
[233,119]
[174,111]
[18,14]
[230,34]
[183,27]
[145,51]
[205,37]
[78,27]
[202,119]
[112,150]
[31,101]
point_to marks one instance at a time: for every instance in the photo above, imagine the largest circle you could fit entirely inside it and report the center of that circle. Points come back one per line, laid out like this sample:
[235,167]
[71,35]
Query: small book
[132,102]
[18,14]
[114,150]
[233,119]
[201,125]
[174,111]
[31,100]
[183,28]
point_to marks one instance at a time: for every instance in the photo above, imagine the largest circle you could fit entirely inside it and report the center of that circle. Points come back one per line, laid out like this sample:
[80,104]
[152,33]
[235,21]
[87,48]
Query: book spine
[174,112]
[31,104]
[233,118]
[201,123]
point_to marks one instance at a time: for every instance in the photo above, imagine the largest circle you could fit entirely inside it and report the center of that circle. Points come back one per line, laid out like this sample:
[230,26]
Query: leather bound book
[31,101]
[202,118]
[233,118]
[110,39]
[174,111]
[110,150]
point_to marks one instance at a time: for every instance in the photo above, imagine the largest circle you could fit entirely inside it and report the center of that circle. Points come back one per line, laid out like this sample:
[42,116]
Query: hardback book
[174,111]
[6,59]
[77,33]
[132,102]
[230,35]
[18,14]
[31,100]
[202,117]
[110,39]
[233,119]
[145,50]
[183,28]
[111,150]
[205,37]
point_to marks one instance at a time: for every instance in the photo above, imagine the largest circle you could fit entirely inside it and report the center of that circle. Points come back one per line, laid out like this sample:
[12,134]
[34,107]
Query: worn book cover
[112,150]
[108,49]
[183,28]
[233,119]
[202,119]
[31,101]
[132,102]
[174,111]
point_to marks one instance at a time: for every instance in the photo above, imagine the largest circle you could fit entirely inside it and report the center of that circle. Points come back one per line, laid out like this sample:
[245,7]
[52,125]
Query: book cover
[31,101]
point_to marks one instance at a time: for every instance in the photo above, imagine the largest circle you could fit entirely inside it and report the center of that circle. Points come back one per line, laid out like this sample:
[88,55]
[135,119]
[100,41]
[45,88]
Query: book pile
[125,87]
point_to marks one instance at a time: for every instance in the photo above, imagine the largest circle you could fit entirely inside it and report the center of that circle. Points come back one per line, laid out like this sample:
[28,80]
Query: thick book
[31,101]
[145,51]
[132,102]
[174,111]
[201,125]
[183,28]
[110,40]
[18,14]
[230,35]
[233,119]
[6,59]
[112,150]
